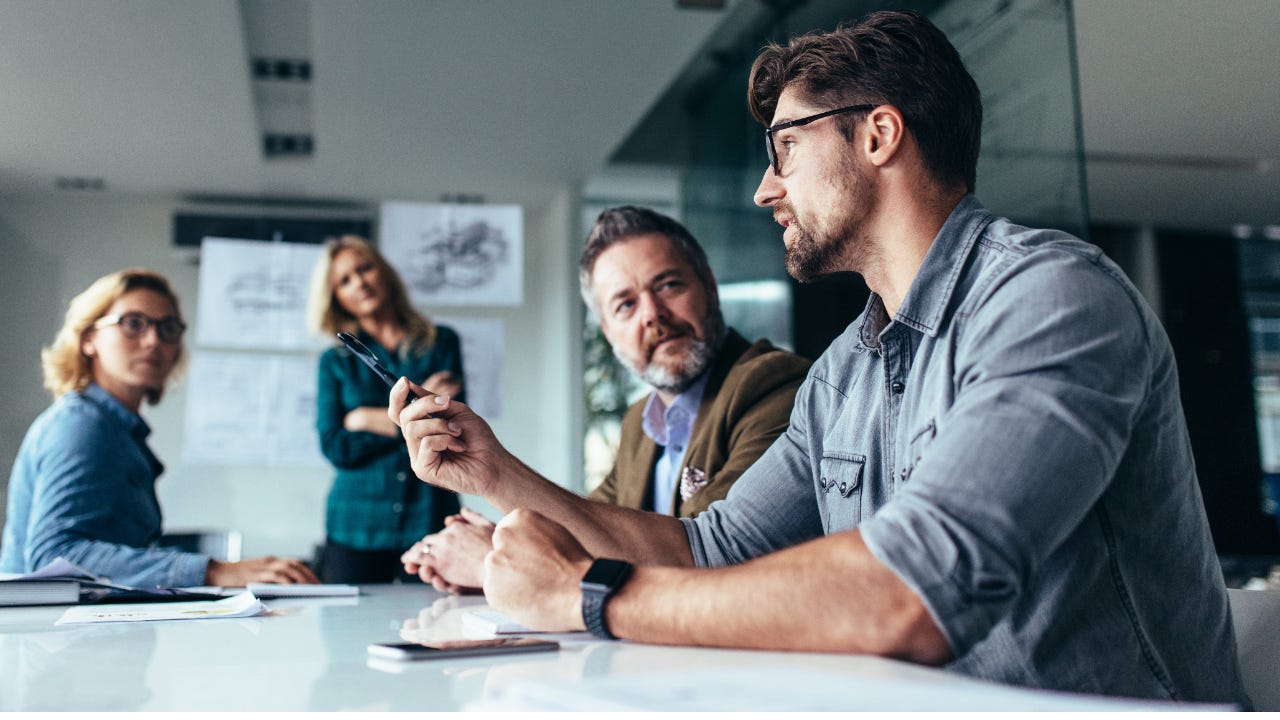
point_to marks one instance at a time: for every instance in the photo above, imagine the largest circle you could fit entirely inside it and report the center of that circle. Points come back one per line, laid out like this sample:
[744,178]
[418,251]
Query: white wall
[52,247]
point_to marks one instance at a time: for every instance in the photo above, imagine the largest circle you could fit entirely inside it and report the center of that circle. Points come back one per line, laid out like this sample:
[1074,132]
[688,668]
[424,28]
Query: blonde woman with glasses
[83,483]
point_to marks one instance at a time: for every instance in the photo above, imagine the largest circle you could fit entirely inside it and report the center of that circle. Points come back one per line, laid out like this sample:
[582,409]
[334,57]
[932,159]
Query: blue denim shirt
[83,487]
[1012,446]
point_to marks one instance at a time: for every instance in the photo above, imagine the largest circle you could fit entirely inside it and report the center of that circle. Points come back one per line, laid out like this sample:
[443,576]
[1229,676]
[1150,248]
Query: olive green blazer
[745,407]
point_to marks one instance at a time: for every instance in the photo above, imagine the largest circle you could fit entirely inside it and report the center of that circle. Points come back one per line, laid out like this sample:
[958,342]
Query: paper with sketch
[483,346]
[790,689]
[252,409]
[298,590]
[243,605]
[455,254]
[487,623]
[253,294]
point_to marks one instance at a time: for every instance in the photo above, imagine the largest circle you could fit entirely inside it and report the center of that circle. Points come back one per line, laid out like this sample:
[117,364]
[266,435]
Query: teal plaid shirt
[376,502]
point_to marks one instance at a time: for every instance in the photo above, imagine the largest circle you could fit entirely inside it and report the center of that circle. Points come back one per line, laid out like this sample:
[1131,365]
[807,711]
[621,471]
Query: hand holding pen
[449,445]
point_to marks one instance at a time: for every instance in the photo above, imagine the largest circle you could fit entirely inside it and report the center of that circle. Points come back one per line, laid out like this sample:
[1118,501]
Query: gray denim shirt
[1012,446]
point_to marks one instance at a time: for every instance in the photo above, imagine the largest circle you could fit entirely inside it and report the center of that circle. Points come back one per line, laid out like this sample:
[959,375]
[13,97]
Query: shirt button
[397,507]
[897,387]
[401,476]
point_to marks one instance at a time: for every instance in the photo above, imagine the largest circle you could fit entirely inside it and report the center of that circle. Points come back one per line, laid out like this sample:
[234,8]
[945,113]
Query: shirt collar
[108,403]
[668,424]
[927,299]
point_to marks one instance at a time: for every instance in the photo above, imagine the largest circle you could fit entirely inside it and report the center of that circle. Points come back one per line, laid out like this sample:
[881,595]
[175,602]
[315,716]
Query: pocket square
[691,481]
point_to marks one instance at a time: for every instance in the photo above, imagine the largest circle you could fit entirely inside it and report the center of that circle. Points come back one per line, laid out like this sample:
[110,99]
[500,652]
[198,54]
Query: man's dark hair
[627,221]
[898,58]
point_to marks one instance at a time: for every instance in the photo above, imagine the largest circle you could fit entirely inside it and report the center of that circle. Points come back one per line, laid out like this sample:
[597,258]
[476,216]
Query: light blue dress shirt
[1012,446]
[670,427]
[83,487]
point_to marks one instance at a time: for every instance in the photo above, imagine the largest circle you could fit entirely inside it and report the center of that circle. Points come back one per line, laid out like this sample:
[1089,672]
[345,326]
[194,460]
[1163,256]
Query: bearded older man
[718,401]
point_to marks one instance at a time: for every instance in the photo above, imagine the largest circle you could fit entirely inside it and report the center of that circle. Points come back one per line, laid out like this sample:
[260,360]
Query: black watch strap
[604,578]
[593,614]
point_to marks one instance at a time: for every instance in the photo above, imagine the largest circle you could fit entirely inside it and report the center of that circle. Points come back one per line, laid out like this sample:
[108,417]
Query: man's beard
[814,253]
[702,352]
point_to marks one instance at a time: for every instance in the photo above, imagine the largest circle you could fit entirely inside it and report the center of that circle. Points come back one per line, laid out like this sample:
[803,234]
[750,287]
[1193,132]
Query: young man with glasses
[989,469]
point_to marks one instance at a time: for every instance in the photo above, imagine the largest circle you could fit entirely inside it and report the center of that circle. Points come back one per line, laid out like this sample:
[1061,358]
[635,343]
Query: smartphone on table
[460,648]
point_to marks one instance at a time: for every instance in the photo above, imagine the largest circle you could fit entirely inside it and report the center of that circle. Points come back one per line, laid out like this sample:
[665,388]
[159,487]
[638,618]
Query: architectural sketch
[457,257]
[252,409]
[253,294]
[455,254]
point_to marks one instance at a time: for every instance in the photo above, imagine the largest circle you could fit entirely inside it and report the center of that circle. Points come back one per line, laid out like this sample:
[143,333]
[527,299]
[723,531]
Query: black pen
[368,358]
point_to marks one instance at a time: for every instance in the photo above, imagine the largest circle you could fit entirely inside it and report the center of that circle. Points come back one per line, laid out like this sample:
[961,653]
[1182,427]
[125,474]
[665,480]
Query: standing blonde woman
[377,507]
[83,483]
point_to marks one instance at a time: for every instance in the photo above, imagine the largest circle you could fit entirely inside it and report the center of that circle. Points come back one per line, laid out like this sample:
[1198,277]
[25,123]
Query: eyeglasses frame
[151,322]
[769,131]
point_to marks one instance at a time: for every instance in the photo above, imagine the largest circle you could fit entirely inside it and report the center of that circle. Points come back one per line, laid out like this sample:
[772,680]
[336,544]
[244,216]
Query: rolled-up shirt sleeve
[1048,381]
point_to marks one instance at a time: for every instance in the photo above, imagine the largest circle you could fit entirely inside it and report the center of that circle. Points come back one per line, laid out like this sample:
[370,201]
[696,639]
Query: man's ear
[886,130]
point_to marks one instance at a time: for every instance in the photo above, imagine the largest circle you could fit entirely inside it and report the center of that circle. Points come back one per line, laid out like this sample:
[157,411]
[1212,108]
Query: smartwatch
[602,580]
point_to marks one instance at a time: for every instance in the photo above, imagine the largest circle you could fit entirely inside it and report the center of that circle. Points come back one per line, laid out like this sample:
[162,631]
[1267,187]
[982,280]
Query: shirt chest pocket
[915,450]
[840,490]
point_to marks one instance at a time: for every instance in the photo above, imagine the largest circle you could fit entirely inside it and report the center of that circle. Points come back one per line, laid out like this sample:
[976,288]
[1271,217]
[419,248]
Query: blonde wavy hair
[66,367]
[326,316]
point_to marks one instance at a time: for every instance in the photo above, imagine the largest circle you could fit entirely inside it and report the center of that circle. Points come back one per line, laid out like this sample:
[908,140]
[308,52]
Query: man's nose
[770,190]
[652,310]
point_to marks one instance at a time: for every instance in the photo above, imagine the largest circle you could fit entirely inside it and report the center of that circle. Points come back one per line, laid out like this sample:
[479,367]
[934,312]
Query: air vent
[278,41]
[287,145]
[281,69]
[462,198]
[77,184]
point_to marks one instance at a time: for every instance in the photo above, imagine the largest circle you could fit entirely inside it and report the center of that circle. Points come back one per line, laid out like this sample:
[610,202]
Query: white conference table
[310,654]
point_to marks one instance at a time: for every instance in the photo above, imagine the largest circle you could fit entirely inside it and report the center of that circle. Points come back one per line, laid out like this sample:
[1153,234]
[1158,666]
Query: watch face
[605,573]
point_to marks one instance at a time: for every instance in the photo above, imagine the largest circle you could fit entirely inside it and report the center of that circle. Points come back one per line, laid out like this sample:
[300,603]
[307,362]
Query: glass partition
[1020,52]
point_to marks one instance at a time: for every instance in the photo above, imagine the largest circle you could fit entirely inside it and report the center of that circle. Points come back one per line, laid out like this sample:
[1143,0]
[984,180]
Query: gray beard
[701,354]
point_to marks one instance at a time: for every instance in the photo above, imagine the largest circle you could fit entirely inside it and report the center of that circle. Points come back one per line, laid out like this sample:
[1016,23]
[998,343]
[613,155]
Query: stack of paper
[242,605]
[487,623]
[777,689]
[284,590]
[39,592]
[57,583]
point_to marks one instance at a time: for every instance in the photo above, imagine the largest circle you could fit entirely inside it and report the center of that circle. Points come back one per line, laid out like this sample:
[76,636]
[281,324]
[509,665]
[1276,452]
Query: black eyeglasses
[777,160]
[135,324]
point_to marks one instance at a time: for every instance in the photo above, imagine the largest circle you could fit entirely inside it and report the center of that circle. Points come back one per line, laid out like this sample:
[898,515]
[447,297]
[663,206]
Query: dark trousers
[342,564]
